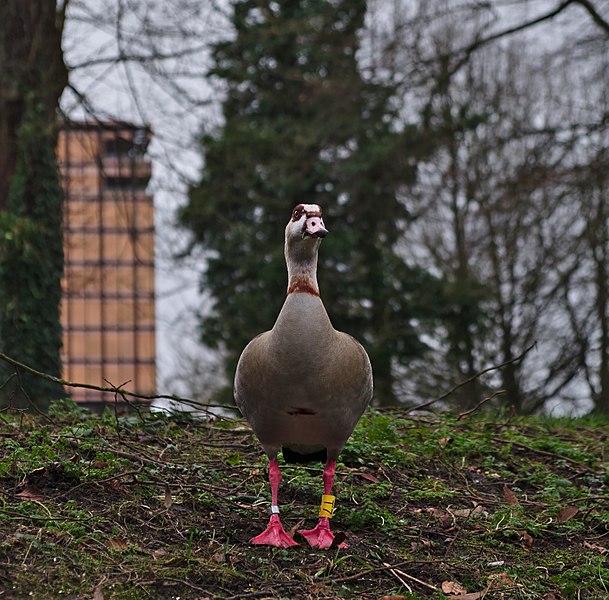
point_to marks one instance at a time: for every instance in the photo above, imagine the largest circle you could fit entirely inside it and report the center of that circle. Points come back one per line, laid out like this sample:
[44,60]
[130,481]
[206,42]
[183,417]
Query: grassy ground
[489,507]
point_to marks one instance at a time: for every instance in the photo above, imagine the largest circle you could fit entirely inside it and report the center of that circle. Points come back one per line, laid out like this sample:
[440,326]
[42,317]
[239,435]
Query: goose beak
[314,227]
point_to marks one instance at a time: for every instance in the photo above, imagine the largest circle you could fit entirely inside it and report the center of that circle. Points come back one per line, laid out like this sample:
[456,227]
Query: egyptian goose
[303,386]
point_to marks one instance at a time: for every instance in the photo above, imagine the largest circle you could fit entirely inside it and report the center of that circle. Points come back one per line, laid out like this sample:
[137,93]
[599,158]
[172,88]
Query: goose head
[306,225]
[303,234]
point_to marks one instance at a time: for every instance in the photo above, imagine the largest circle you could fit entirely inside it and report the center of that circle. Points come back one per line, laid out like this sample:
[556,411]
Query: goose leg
[274,534]
[321,536]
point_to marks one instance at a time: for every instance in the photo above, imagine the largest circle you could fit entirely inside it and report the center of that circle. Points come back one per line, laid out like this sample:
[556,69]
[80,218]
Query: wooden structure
[108,308]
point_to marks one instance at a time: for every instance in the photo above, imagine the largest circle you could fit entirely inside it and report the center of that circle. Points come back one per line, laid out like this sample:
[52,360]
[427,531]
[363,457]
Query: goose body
[303,385]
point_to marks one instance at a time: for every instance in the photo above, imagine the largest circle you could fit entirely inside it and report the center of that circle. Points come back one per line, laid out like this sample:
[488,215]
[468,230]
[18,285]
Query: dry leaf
[296,527]
[218,556]
[595,547]
[509,496]
[30,492]
[469,512]
[168,501]
[425,544]
[568,512]
[369,477]
[98,592]
[527,539]
[158,553]
[439,513]
[339,541]
[444,441]
[500,580]
[453,588]
[115,486]
[117,544]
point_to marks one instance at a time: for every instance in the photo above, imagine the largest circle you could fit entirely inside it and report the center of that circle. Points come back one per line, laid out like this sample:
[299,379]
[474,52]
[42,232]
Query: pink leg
[321,536]
[274,534]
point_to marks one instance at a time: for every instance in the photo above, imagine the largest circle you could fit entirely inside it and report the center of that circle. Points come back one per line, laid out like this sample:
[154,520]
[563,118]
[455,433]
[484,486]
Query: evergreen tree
[302,125]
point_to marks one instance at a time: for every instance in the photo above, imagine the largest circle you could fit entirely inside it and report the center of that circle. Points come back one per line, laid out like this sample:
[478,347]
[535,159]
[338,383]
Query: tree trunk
[32,78]
[599,251]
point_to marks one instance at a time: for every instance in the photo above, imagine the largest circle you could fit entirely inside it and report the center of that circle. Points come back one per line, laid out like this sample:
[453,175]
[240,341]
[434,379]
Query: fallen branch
[585,468]
[472,378]
[484,401]
[397,572]
[385,566]
[112,389]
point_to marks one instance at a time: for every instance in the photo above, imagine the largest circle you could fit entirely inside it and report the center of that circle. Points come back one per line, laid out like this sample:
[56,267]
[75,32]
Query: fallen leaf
[158,553]
[168,499]
[469,512]
[117,544]
[500,580]
[444,441]
[527,539]
[369,477]
[117,487]
[296,527]
[509,496]
[339,541]
[98,592]
[425,544]
[440,513]
[38,473]
[453,588]
[595,547]
[568,512]
[218,556]
[30,492]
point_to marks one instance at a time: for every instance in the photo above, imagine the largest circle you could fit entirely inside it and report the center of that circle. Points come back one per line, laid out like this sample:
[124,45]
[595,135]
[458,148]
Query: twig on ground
[397,572]
[533,450]
[365,572]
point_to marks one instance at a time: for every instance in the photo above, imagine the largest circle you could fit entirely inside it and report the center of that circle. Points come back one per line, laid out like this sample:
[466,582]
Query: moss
[154,507]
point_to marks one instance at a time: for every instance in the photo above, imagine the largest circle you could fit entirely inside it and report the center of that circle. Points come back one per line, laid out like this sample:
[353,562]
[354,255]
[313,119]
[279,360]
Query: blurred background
[151,153]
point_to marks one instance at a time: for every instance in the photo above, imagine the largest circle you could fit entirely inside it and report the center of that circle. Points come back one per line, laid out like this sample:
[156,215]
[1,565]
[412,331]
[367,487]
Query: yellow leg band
[327,506]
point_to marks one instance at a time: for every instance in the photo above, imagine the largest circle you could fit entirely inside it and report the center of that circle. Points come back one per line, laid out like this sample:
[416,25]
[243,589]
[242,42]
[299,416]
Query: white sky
[127,92]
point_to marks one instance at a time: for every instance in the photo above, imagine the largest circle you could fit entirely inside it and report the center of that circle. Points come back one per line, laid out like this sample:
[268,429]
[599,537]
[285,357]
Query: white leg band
[274,509]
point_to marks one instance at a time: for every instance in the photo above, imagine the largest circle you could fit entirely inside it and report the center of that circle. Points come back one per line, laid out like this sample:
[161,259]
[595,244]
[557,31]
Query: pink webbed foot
[320,536]
[274,535]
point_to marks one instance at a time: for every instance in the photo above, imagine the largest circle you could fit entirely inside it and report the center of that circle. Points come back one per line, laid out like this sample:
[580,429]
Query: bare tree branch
[112,389]
[452,390]
[596,16]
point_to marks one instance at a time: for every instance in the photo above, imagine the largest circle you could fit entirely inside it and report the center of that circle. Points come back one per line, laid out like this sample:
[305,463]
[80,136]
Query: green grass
[154,507]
